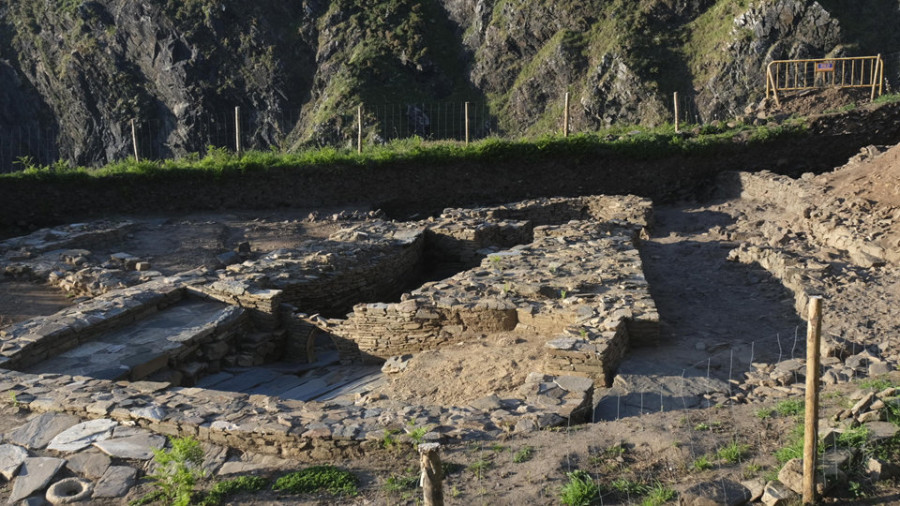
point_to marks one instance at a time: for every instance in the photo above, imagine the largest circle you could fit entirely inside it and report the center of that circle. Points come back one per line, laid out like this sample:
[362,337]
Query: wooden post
[811,429]
[432,474]
[359,130]
[134,141]
[467,123]
[566,116]
[237,130]
[874,72]
[676,111]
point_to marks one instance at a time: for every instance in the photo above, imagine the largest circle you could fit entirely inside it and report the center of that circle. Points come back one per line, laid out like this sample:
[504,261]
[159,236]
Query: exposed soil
[177,244]
[458,374]
[20,301]
[876,180]
[829,100]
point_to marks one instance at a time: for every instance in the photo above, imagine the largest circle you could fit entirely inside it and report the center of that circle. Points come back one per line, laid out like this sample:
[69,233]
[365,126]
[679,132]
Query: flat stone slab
[138,447]
[881,431]
[82,435]
[247,380]
[115,482]
[11,457]
[40,430]
[723,492]
[230,468]
[91,464]
[35,474]
[139,349]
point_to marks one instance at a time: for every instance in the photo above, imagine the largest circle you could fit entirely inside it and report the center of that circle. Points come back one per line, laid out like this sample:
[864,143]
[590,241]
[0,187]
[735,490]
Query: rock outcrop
[74,74]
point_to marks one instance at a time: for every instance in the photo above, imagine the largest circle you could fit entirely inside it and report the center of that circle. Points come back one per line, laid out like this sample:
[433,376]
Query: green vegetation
[580,490]
[888,98]
[640,144]
[318,478]
[523,455]
[790,407]
[479,467]
[177,473]
[418,434]
[765,413]
[225,489]
[701,463]
[659,494]
[733,452]
[877,384]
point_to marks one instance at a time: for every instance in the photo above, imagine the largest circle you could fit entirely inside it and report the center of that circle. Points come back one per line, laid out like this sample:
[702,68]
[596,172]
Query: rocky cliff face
[73,73]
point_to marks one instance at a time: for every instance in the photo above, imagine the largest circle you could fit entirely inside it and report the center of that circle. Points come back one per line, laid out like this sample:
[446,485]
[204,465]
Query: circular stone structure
[69,490]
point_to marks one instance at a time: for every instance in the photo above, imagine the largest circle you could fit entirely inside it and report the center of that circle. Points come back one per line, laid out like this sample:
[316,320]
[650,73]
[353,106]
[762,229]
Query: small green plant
[523,455]
[318,478]
[794,448]
[854,438]
[224,489]
[856,489]
[387,440]
[418,434]
[14,398]
[733,452]
[177,473]
[495,261]
[701,463]
[700,427]
[764,413]
[580,490]
[498,448]
[479,467]
[877,384]
[752,470]
[563,293]
[790,407]
[659,494]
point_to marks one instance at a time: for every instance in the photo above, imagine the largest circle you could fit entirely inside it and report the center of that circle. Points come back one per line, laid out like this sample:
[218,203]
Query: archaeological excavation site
[567,325]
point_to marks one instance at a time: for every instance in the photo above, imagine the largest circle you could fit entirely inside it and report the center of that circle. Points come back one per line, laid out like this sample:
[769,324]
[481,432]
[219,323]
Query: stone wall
[365,261]
[586,273]
[293,429]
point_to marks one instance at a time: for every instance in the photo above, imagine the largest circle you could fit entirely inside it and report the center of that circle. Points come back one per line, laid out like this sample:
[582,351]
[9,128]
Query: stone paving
[138,350]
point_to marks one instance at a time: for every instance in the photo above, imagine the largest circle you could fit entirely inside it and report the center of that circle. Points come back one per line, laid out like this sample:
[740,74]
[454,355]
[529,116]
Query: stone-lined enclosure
[567,268]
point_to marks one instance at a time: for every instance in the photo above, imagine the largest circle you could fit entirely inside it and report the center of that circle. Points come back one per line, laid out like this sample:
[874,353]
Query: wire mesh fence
[241,129]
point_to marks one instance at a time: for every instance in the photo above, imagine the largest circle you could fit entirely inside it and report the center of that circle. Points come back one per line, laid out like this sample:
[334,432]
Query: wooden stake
[432,474]
[811,429]
[566,116]
[467,123]
[237,130]
[359,131]
[134,141]
[676,111]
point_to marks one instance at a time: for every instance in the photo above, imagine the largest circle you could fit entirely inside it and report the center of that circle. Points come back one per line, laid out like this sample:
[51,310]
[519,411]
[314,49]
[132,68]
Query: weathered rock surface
[35,474]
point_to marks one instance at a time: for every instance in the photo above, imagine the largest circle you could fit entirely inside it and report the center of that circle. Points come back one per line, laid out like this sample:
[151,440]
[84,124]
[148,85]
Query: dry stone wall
[584,274]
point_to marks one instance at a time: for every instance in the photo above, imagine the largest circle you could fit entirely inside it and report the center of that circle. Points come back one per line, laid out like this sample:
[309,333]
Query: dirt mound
[871,176]
[493,364]
[812,102]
